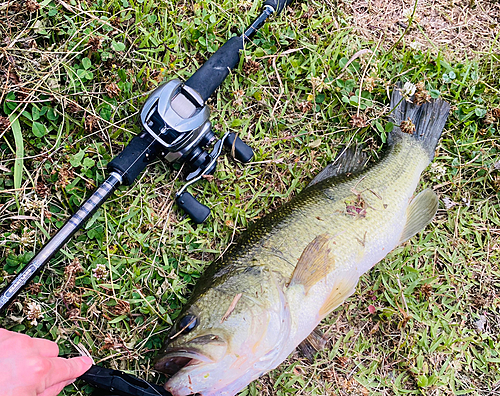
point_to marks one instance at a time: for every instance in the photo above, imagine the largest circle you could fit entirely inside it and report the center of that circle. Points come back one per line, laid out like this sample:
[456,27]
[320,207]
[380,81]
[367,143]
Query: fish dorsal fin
[315,263]
[344,286]
[350,160]
[420,213]
[314,342]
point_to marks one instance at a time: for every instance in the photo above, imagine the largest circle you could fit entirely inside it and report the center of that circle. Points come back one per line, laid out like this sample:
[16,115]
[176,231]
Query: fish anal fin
[420,213]
[315,263]
[344,286]
[314,342]
[350,160]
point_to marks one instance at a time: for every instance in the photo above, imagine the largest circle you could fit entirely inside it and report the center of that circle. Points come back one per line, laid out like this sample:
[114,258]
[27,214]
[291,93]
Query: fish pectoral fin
[350,160]
[315,263]
[314,342]
[344,286]
[420,213]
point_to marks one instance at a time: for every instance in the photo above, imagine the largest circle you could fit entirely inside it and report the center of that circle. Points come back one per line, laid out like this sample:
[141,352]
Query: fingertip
[79,365]
[62,370]
[86,362]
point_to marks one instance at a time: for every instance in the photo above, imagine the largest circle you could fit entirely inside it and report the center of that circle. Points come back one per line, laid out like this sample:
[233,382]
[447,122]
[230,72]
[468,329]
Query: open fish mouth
[176,359]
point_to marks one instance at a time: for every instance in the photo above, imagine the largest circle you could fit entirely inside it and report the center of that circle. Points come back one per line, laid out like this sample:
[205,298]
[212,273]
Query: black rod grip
[140,151]
[213,72]
[242,152]
[196,210]
[278,5]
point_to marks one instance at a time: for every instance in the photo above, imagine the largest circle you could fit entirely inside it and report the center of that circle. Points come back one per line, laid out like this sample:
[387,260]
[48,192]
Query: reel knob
[196,210]
[242,152]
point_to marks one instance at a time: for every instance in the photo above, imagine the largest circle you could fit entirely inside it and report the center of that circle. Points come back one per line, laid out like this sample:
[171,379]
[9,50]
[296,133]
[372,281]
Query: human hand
[30,366]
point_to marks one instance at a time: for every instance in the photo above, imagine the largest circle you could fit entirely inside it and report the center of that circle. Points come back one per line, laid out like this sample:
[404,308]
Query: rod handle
[134,158]
[278,5]
[213,72]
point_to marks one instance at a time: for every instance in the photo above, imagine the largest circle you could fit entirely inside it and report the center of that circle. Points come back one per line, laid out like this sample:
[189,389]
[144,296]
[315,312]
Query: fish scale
[294,266]
[284,231]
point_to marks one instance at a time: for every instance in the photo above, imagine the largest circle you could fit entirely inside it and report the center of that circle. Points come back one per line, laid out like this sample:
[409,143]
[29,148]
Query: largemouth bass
[288,271]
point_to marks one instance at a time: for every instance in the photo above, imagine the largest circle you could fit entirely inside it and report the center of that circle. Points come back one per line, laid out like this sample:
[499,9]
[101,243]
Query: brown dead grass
[458,28]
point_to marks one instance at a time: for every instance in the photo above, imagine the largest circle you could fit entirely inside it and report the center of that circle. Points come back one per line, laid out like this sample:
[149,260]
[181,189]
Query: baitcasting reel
[176,118]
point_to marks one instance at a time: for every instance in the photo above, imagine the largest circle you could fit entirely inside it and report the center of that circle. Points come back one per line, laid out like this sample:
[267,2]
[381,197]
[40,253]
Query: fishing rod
[175,123]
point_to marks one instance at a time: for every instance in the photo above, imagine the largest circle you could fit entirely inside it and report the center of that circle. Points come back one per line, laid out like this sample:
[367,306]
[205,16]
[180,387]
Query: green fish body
[289,270]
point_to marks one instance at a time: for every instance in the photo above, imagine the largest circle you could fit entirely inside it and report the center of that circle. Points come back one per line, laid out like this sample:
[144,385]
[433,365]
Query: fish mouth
[176,359]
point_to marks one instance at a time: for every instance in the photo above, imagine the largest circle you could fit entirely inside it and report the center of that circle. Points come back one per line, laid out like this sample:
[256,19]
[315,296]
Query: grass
[75,74]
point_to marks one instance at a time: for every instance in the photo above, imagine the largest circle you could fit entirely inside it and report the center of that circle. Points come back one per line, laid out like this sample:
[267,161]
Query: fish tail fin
[424,122]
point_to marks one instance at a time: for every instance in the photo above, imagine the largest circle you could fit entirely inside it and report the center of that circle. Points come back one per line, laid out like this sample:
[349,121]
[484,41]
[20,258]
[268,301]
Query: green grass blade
[19,161]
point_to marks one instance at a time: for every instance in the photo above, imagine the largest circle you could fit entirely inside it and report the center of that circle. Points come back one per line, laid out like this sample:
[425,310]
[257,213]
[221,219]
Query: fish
[289,270]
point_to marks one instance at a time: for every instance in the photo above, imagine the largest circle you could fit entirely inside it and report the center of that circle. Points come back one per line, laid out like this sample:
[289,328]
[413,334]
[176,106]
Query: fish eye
[187,323]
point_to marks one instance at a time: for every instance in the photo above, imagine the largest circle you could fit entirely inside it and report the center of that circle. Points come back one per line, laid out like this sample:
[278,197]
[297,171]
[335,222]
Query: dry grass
[459,29]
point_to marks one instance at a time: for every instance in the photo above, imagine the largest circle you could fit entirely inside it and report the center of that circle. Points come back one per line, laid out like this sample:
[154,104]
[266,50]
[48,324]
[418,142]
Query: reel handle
[242,152]
[196,210]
